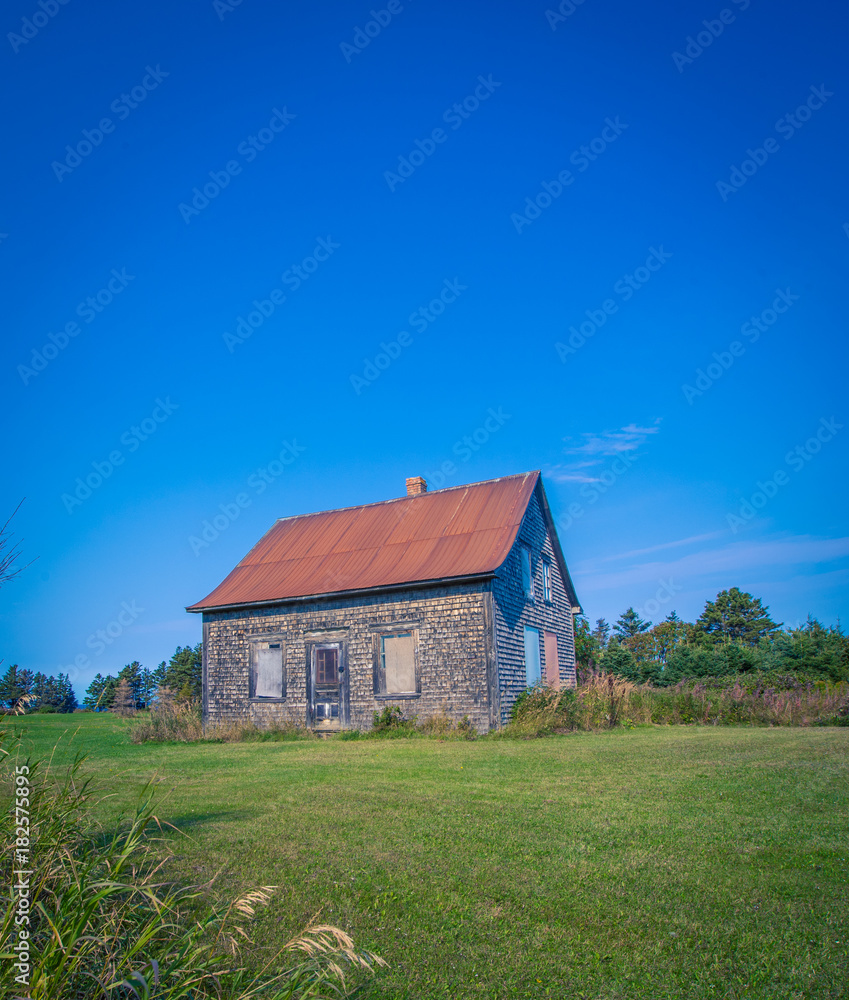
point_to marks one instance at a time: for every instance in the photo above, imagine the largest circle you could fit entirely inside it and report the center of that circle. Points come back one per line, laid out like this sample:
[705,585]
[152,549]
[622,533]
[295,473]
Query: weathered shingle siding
[513,611]
[455,654]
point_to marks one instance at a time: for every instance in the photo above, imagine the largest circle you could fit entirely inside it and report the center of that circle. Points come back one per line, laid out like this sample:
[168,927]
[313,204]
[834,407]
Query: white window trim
[547,589]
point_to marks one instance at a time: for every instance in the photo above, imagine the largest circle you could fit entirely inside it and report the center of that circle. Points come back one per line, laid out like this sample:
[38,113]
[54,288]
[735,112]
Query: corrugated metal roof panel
[461,531]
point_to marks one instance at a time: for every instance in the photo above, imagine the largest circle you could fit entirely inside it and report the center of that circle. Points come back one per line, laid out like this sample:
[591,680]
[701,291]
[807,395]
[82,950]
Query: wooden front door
[329,686]
[552,663]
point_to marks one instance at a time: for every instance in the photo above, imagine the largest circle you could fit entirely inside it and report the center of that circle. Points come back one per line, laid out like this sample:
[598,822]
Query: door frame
[344,685]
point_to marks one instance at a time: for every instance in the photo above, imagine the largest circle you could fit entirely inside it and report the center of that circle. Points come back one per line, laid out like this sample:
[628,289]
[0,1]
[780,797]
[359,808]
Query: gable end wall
[513,611]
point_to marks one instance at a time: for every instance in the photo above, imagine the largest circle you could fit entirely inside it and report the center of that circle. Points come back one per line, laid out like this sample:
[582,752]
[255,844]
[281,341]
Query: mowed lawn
[668,862]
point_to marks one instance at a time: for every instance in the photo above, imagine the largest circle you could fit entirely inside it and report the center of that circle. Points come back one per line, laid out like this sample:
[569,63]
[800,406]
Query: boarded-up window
[552,664]
[267,669]
[532,658]
[398,663]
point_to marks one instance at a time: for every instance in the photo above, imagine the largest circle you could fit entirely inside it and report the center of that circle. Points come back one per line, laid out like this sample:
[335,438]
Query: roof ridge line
[378,503]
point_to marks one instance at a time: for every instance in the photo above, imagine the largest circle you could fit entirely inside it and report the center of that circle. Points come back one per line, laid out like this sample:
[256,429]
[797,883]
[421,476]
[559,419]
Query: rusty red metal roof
[461,531]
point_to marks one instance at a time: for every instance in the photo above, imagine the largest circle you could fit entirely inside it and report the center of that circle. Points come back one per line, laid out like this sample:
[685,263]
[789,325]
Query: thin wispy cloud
[596,448]
[676,543]
[733,564]
[609,443]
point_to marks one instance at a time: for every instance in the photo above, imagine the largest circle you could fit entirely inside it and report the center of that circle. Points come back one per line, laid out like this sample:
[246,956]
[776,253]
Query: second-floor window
[527,574]
[546,581]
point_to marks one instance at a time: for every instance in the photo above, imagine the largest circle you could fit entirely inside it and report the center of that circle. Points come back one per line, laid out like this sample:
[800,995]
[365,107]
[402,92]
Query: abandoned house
[452,601]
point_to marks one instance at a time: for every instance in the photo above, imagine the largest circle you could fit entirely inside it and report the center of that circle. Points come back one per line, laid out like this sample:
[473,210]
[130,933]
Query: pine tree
[15,684]
[132,673]
[186,668]
[630,624]
[109,689]
[618,659]
[601,632]
[735,616]
[93,692]
[159,674]
[124,702]
[65,691]
[146,687]
[100,693]
[39,690]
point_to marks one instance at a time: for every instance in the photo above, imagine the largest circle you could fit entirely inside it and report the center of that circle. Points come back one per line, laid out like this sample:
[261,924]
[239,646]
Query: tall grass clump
[603,701]
[181,722]
[107,922]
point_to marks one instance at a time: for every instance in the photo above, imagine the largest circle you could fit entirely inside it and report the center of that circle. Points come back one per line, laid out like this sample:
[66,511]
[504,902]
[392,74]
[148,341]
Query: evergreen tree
[39,683]
[100,693]
[108,693]
[123,702]
[186,668]
[66,695]
[14,685]
[601,632]
[630,624]
[735,616]
[673,617]
[147,687]
[132,673]
[618,659]
[91,700]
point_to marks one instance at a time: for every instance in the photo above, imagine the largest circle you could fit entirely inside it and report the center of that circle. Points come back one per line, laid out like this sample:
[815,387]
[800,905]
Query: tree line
[38,692]
[134,687]
[733,635]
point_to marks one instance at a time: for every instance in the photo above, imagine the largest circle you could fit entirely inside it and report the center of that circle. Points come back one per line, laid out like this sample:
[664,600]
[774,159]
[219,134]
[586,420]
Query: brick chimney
[416,486]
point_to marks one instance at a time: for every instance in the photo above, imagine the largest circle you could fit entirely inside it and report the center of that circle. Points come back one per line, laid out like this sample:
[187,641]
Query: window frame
[547,591]
[324,648]
[380,692]
[538,659]
[256,642]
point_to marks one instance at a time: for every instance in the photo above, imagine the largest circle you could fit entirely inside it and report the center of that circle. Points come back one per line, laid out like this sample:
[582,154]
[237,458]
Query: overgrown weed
[605,701]
[181,722]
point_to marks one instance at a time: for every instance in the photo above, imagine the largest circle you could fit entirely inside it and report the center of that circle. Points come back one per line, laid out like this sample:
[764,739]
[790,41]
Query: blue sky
[255,267]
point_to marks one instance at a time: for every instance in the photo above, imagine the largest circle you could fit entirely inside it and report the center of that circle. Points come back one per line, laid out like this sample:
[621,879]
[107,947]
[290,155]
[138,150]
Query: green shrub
[391,721]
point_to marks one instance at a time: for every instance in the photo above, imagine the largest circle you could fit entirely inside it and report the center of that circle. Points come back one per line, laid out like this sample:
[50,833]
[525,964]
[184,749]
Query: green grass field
[665,862]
